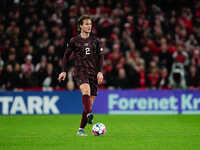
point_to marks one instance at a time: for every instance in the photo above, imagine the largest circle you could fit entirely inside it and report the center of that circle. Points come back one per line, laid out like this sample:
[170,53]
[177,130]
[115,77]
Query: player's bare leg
[85,90]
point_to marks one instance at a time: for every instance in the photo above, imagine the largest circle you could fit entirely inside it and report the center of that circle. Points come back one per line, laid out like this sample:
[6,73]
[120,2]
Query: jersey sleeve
[100,56]
[66,57]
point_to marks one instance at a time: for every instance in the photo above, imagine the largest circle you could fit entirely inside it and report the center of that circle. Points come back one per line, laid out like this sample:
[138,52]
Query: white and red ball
[99,129]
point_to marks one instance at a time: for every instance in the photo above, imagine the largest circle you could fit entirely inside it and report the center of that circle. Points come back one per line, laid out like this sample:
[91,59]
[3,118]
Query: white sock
[80,129]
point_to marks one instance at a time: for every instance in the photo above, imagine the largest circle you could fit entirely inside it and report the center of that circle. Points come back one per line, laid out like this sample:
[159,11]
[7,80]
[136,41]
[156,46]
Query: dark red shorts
[91,80]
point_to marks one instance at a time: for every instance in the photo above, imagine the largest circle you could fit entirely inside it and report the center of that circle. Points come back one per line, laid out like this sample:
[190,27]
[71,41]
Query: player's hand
[100,77]
[62,76]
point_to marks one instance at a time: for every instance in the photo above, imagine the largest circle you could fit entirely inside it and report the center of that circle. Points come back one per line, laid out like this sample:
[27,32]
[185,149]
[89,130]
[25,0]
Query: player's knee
[85,89]
[86,92]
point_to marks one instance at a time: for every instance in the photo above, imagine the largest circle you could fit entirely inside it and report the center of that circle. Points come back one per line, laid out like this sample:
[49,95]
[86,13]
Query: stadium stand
[148,44]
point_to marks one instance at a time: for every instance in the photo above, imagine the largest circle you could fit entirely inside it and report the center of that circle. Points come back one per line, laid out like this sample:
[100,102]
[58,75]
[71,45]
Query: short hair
[80,20]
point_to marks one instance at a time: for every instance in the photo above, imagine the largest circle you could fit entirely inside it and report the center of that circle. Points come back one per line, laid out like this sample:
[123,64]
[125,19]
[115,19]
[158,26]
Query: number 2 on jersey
[87,51]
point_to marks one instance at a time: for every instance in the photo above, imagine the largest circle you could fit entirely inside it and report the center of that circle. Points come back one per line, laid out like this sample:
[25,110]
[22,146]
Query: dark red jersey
[87,55]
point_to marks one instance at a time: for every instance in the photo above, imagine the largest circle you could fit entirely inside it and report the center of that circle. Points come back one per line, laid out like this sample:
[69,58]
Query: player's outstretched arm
[62,76]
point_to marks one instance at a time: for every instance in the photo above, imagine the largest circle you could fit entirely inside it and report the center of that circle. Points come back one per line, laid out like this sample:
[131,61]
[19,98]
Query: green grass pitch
[124,132]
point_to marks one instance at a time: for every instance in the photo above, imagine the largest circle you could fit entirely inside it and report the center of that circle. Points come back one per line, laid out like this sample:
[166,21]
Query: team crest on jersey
[94,44]
[80,81]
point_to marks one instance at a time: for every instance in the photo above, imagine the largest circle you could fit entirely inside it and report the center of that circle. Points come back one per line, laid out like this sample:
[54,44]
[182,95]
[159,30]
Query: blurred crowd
[148,44]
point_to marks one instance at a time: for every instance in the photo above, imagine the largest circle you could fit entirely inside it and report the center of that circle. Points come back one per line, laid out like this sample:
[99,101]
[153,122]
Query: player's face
[86,26]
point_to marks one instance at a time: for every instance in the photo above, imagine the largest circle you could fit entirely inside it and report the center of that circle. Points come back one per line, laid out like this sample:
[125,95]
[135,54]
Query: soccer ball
[99,129]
